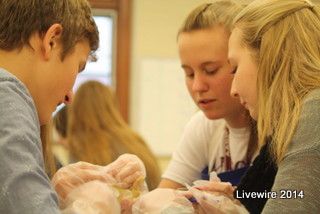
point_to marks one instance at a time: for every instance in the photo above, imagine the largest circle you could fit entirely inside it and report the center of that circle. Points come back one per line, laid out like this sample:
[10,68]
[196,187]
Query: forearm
[167,183]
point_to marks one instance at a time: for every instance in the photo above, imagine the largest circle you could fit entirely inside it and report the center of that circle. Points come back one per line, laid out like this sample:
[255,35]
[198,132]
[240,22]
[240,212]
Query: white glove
[94,197]
[217,197]
[72,176]
[162,201]
[126,170]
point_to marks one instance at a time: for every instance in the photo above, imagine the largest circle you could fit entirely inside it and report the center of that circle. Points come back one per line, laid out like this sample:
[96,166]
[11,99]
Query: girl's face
[204,59]
[244,83]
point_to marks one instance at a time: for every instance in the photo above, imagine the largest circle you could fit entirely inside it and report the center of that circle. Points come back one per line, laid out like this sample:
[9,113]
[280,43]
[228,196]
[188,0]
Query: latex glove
[216,186]
[94,197]
[164,201]
[72,176]
[220,188]
[211,202]
[126,169]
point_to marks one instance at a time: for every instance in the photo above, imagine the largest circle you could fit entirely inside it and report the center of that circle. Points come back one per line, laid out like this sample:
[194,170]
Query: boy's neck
[17,62]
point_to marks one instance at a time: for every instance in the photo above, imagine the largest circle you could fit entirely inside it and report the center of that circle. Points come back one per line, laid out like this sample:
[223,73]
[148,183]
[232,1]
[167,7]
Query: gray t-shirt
[25,187]
[298,177]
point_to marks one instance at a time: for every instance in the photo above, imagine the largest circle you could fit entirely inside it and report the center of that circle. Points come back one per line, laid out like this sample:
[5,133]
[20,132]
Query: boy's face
[59,79]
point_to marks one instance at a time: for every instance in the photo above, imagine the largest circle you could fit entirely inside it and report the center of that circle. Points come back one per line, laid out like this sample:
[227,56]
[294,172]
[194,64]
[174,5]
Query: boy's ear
[51,39]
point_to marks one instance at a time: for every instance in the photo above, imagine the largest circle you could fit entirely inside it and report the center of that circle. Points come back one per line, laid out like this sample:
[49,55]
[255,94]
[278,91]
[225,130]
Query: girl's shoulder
[307,134]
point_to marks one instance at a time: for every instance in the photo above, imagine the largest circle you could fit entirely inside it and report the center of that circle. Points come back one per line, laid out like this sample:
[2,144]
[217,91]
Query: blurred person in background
[94,131]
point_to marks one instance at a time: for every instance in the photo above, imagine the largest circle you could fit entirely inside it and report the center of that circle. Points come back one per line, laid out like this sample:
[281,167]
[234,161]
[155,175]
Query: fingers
[73,175]
[126,169]
[129,180]
[222,188]
[218,186]
[129,171]
[123,169]
[186,194]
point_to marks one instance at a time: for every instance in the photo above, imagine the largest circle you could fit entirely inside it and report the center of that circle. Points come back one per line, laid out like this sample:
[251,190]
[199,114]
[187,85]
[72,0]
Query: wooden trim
[110,4]
[123,56]
[123,9]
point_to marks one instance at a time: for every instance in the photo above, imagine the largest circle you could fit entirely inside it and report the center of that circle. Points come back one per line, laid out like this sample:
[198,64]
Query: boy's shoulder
[11,84]
[15,99]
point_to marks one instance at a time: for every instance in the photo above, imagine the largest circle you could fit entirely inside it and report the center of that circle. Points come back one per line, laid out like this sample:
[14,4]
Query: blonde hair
[60,121]
[98,134]
[284,37]
[218,13]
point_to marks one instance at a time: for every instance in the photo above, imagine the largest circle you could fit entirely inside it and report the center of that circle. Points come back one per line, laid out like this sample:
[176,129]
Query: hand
[72,176]
[162,201]
[216,197]
[126,169]
[220,188]
[81,199]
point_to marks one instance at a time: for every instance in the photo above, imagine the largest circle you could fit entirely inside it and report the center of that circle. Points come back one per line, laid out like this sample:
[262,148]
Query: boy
[44,44]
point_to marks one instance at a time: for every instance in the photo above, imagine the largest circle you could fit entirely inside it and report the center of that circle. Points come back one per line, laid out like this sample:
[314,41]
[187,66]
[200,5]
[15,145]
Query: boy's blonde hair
[19,20]
[284,37]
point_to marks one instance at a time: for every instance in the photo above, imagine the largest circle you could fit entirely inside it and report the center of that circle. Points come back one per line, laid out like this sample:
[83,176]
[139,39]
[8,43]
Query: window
[103,69]
[122,10]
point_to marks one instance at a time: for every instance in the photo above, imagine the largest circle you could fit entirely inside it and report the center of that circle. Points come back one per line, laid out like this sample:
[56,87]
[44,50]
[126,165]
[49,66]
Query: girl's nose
[233,90]
[199,84]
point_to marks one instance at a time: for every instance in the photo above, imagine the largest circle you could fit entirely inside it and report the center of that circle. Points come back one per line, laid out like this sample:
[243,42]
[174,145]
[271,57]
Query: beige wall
[155,25]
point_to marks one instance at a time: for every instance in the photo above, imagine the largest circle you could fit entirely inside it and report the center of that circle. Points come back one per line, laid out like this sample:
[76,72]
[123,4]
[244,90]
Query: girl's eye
[234,70]
[188,72]
[190,75]
[211,72]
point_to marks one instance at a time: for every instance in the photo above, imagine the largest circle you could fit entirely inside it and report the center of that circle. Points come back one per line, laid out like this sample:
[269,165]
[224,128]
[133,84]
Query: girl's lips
[206,103]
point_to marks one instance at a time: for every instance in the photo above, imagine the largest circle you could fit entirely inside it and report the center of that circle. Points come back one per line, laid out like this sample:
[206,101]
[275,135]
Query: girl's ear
[51,39]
